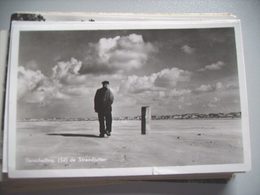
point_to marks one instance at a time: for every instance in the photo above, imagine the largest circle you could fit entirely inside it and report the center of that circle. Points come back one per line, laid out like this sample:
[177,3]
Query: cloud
[28,80]
[188,104]
[34,87]
[136,84]
[187,49]
[68,72]
[77,91]
[219,85]
[211,105]
[165,79]
[213,102]
[120,53]
[216,99]
[32,65]
[44,94]
[232,85]
[65,82]
[205,88]
[178,93]
[156,88]
[170,77]
[215,66]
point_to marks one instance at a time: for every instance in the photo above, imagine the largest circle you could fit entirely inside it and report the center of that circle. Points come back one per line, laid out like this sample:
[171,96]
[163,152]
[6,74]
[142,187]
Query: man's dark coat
[103,100]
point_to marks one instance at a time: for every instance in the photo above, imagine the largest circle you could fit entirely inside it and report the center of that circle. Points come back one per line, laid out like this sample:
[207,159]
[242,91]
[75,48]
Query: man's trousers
[102,117]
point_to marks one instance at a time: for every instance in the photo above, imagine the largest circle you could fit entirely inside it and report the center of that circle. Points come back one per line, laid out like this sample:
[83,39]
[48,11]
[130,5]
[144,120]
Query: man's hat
[105,82]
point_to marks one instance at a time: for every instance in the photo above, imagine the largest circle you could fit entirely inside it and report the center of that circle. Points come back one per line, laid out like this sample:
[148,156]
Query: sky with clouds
[174,71]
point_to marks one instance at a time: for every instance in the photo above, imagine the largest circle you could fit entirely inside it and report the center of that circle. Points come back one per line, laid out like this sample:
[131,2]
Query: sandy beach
[61,145]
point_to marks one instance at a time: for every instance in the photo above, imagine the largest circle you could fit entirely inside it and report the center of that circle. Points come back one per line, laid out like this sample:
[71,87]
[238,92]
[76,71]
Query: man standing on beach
[103,106]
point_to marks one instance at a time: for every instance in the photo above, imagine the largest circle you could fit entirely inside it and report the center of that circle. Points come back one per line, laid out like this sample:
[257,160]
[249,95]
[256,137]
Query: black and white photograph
[127,98]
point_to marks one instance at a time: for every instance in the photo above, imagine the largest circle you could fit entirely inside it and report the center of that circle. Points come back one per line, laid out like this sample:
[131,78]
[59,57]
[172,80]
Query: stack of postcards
[101,95]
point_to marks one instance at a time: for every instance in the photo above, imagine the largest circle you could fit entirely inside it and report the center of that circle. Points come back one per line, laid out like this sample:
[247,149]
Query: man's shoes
[108,133]
[105,132]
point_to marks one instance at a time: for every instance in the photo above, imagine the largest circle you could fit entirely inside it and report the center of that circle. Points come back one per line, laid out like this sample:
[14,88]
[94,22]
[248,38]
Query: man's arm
[96,101]
[111,97]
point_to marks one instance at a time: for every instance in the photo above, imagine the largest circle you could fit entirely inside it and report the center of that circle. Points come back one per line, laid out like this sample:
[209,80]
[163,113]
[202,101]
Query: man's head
[105,84]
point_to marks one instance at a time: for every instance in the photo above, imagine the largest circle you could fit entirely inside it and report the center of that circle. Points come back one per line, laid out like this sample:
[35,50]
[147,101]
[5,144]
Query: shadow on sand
[73,135]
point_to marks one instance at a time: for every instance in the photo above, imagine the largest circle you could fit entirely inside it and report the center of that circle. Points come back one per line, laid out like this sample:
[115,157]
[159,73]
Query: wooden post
[145,119]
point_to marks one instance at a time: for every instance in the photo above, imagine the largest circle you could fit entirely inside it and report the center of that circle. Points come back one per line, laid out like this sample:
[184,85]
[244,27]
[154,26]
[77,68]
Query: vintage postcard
[79,92]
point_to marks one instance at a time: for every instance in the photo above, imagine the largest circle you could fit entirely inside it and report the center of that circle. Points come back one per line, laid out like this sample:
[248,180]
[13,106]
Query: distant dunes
[230,115]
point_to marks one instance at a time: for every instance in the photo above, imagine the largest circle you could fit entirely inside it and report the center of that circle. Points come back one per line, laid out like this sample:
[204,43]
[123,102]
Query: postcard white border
[4,41]
[120,25]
